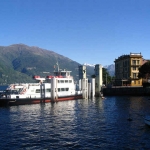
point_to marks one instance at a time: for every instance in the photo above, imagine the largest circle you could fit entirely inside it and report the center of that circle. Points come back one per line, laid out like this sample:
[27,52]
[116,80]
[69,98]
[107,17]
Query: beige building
[126,69]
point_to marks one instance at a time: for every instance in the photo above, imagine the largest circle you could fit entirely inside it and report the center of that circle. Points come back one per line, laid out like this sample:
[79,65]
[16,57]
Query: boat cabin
[62,73]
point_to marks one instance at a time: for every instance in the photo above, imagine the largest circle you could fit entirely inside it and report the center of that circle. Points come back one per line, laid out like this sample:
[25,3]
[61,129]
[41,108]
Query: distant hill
[19,62]
[110,68]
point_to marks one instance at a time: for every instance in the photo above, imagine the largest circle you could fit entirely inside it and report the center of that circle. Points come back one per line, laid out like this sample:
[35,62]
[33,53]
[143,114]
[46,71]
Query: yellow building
[126,70]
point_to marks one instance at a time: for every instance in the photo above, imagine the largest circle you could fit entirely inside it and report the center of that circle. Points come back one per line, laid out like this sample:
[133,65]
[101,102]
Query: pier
[125,90]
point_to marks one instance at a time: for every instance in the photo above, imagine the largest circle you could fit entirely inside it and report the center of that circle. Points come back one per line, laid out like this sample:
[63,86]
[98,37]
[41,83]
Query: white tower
[83,81]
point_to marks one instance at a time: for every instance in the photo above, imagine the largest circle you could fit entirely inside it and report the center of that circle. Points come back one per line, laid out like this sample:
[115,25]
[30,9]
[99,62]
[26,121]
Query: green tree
[106,77]
[144,70]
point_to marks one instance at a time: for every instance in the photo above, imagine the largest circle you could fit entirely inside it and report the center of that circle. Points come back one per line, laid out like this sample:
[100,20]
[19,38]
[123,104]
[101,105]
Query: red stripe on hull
[69,98]
[13,102]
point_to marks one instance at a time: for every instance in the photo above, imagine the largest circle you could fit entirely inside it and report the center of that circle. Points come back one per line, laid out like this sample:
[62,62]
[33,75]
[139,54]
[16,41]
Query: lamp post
[106,79]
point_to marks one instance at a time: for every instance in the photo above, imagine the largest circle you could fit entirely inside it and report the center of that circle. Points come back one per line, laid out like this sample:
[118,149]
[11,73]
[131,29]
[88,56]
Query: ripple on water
[80,124]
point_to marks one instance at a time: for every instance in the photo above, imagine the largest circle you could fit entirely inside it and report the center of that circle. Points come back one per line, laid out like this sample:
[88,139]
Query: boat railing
[23,90]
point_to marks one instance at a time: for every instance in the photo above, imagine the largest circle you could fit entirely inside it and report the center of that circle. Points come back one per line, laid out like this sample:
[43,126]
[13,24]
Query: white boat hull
[51,89]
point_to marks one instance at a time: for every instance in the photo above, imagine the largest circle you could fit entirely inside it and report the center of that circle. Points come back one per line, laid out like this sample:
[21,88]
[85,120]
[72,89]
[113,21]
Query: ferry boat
[59,87]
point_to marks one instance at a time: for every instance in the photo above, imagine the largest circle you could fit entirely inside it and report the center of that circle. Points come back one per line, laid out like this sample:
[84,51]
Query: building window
[134,81]
[133,62]
[138,62]
[134,75]
[134,68]
[138,82]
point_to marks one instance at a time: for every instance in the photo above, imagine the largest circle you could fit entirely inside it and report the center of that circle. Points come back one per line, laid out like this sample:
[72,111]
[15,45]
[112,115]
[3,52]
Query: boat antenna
[57,65]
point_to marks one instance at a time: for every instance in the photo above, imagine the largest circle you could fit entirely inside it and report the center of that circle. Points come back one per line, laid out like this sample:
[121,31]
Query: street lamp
[106,79]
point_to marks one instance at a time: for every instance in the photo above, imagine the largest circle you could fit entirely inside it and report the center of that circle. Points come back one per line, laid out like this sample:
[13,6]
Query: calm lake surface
[81,124]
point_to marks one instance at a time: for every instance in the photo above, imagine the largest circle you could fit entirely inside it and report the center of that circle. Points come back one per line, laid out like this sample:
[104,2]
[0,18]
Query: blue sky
[86,31]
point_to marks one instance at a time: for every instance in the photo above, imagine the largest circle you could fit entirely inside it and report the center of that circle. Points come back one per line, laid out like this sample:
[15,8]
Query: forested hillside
[19,62]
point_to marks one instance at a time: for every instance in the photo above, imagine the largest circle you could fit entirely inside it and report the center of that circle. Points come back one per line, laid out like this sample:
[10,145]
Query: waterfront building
[127,69]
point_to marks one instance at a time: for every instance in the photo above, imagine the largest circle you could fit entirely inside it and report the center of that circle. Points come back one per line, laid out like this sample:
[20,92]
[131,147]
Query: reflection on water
[80,124]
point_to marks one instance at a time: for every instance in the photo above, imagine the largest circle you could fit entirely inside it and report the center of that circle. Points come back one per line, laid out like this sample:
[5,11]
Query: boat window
[63,73]
[48,90]
[67,89]
[68,73]
[38,91]
[70,81]
[32,91]
[58,89]
[62,89]
[14,92]
[66,81]
[62,81]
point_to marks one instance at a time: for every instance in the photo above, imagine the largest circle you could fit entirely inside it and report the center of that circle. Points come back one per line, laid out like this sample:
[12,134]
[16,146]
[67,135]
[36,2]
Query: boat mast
[57,66]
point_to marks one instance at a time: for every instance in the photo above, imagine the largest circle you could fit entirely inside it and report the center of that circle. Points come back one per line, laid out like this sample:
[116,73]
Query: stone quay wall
[126,90]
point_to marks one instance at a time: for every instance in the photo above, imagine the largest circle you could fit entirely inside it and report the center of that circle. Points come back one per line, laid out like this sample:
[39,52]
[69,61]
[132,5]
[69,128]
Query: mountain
[19,62]
[110,68]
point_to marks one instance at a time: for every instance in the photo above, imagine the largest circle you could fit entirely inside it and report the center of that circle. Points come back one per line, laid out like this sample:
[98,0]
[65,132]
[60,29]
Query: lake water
[3,87]
[80,124]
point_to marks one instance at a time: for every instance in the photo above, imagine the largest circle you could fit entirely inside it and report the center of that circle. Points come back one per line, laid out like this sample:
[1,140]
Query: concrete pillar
[89,90]
[80,88]
[82,72]
[85,88]
[93,87]
[42,90]
[98,79]
[54,94]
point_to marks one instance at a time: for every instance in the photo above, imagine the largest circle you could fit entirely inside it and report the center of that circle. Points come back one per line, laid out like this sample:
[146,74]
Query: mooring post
[93,87]
[54,95]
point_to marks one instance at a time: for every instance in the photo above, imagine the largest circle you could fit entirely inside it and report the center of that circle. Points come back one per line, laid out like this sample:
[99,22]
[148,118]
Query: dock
[126,90]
